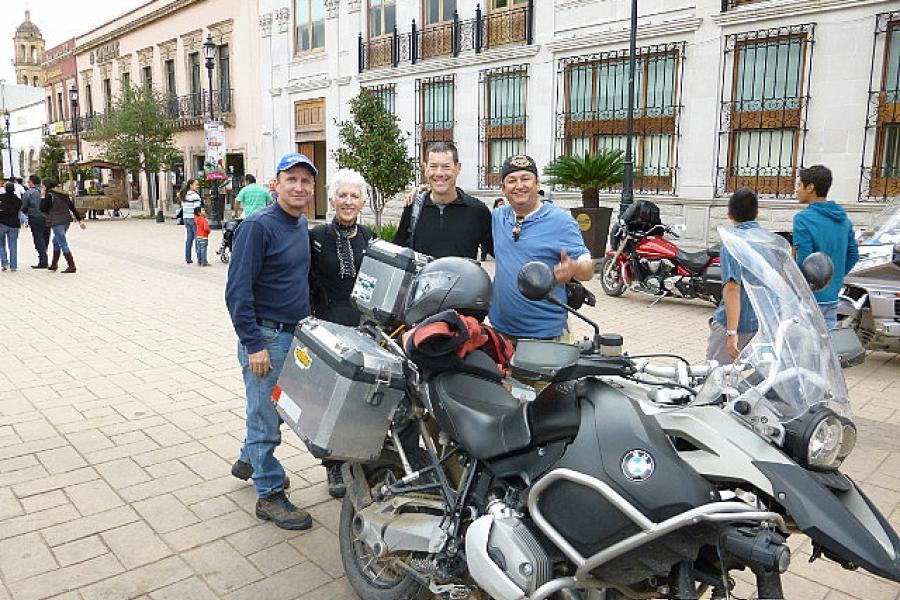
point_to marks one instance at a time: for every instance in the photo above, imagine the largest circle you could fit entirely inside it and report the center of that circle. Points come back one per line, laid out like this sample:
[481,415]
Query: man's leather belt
[289,327]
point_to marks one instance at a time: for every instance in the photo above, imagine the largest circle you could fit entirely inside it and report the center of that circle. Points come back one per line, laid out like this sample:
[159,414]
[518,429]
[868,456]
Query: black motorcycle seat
[714,252]
[479,414]
[694,261]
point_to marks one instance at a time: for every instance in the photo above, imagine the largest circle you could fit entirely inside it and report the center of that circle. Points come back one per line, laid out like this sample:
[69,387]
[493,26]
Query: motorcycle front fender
[846,524]
[847,308]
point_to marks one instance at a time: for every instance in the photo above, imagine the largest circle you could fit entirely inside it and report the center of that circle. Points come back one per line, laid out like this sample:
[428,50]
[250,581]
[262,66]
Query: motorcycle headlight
[825,443]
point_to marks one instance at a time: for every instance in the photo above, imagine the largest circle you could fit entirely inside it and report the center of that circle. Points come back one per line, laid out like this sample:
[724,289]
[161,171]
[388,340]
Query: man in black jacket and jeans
[446,221]
[31,206]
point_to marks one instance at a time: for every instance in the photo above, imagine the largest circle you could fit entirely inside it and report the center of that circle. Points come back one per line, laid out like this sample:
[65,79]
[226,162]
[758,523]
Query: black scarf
[344,249]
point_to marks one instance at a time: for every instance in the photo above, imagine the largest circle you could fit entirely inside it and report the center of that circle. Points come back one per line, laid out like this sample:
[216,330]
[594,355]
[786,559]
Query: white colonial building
[729,92]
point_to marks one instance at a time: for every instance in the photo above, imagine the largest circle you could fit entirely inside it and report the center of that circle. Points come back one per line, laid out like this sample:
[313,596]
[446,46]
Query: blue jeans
[59,237]
[263,422]
[10,236]
[191,230]
[202,245]
[829,311]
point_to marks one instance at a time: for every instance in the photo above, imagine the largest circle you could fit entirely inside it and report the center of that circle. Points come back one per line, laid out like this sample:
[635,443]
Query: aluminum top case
[383,281]
[338,390]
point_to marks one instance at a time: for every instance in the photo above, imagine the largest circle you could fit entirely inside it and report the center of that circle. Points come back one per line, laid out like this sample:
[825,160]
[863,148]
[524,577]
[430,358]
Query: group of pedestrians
[49,214]
[281,272]
[822,226]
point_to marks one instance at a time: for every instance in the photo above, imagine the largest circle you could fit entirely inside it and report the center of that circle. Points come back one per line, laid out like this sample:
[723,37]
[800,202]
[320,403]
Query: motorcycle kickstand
[661,296]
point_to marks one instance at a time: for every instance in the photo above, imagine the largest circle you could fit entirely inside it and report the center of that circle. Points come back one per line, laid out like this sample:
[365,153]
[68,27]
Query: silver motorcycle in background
[870,299]
[623,478]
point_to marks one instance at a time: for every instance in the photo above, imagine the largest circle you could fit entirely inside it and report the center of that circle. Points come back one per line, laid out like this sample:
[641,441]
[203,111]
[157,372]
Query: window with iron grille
[592,109]
[387,93]
[107,95]
[881,148]
[502,120]
[434,112]
[762,118]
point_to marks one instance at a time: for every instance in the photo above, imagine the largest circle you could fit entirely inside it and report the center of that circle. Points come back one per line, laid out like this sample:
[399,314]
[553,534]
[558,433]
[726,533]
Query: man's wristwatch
[731,332]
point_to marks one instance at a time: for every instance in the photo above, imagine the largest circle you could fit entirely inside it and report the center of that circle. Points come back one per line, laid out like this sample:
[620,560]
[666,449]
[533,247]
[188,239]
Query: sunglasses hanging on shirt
[517,229]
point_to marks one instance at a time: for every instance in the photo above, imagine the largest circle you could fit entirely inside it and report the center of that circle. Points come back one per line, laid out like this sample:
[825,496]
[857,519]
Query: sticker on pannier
[301,357]
[364,288]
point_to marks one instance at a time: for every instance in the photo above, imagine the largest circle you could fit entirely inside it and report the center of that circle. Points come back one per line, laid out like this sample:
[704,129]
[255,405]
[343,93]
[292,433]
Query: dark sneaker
[278,509]
[244,471]
[336,486]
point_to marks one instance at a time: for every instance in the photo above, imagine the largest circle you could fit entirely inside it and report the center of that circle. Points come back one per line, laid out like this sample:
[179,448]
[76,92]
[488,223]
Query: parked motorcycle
[870,299]
[641,258]
[622,478]
[224,250]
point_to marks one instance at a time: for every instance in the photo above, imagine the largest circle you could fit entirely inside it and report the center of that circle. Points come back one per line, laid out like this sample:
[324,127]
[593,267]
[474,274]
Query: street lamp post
[628,180]
[73,98]
[209,51]
[6,118]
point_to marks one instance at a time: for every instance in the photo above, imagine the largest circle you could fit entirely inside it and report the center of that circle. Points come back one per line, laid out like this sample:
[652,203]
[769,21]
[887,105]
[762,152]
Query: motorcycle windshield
[886,226]
[790,361]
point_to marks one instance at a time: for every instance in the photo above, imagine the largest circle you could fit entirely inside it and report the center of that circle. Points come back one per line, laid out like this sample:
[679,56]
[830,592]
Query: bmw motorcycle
[643,260]
[621,478]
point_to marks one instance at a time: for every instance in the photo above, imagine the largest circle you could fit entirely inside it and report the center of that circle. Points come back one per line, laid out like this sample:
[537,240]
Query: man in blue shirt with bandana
[528,229]
[734,323]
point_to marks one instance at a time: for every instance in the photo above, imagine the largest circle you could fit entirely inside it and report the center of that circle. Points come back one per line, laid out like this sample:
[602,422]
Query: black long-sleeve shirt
[268,276]
[10,205]
[454,229]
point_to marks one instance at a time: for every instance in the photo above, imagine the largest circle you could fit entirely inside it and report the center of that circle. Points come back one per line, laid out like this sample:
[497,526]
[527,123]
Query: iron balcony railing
[485,31]
[196,105]
[732,4]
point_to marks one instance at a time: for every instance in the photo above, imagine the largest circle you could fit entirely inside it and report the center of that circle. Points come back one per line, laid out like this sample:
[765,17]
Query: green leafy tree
[138,134]
[590,173]
[52,155]
[373,145]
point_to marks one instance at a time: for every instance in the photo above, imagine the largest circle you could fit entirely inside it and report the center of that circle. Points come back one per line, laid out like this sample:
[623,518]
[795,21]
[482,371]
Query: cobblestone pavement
[121,409]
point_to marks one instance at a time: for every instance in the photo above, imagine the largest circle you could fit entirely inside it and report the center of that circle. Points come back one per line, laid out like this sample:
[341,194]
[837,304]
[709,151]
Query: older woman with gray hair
[338,249]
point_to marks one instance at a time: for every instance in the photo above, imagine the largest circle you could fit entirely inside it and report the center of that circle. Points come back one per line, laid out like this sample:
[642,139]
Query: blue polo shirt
[731,271]
[268,277]
[544,234]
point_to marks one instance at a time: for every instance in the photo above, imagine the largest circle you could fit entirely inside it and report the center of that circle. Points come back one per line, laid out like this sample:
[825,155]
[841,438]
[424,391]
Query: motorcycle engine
[662,267]
[516,550]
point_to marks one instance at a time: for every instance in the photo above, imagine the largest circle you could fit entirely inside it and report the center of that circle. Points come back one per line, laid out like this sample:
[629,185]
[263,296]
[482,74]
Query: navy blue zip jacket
[268,277]
[825,227]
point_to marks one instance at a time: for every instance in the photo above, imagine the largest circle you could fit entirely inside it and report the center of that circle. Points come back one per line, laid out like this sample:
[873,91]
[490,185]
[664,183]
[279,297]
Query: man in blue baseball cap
[267,294]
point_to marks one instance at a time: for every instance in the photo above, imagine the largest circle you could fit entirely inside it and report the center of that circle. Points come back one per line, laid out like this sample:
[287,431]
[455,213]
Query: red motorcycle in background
[641,258]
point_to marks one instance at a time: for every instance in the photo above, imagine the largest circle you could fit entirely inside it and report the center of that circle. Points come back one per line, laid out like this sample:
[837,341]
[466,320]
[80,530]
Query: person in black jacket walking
[37,221]
[57,206]
[10,205]
[445,221]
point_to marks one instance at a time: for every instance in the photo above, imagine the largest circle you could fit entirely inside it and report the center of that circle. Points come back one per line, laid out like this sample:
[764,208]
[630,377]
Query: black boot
[70,262]
[54,264]
[336,486]
[278,509]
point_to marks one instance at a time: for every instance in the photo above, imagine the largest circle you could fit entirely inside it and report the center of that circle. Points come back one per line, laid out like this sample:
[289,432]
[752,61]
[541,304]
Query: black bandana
[344,249]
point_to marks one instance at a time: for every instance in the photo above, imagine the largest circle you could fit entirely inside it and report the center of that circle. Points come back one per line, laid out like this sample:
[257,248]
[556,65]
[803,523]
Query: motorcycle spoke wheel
[610,278]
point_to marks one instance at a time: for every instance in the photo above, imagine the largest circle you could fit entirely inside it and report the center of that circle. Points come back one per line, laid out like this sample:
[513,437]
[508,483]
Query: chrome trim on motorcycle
[553,586]
[713,512]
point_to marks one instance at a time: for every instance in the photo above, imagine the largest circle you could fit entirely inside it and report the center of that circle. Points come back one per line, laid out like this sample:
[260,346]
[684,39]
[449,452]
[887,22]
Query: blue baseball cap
[293,159]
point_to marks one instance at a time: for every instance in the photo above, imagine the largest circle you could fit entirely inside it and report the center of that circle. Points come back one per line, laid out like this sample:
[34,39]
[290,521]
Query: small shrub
[387,232]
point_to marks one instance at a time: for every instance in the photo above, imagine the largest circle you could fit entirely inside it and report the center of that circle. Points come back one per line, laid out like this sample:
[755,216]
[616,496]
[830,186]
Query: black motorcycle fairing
[612,425]
[842,522]
[529,464]
[554,414]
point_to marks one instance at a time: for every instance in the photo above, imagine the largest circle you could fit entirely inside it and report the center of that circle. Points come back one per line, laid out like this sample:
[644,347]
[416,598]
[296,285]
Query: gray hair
[348,177]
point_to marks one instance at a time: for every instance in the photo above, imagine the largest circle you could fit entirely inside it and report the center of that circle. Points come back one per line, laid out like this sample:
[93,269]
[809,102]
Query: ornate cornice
[105,70]
[265,25]
[318,82]
[137,23]
[353,5]
[192,41]
[221,31]
[86,75]
[168,49]
[124,62]
[332,7]
[283,18]
[771,10]
[588,40]
[145,57]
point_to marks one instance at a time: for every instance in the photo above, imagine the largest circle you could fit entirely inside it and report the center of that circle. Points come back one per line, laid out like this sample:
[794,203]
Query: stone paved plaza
[121,410]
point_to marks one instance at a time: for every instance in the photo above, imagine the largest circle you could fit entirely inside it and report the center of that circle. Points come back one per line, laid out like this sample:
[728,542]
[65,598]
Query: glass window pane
[612,88]
[301,14]
[769,75]
[375,20]
[579,146]
[892,69]
[501,149]
[449,9]
[581,80]
[767,152]
[432,12]
[498,4]
[506,99]
[303,37]
[890,155]
[656,155]
[660,99]
[390,17]
[438,106]
[318,34]
[318,9]
[610,142]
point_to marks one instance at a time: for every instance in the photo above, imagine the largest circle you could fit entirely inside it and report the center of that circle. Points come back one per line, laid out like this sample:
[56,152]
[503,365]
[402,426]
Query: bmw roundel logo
[638,465]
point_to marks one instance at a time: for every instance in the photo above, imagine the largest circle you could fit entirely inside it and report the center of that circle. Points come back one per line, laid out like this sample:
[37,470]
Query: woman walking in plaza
[60,209]
[10,205]
[337,253]
[190,199]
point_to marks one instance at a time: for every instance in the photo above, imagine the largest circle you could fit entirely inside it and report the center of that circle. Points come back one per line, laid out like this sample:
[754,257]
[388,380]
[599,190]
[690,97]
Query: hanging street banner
[215,150]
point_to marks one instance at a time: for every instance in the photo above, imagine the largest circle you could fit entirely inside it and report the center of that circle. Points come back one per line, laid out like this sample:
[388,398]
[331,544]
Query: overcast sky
[58,21]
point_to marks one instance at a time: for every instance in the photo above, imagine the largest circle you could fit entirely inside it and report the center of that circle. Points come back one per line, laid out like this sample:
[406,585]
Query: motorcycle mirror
[680,227]
[536,280]
[818,270]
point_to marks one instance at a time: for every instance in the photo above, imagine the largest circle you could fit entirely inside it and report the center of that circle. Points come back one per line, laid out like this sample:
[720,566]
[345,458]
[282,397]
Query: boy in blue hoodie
[823,226]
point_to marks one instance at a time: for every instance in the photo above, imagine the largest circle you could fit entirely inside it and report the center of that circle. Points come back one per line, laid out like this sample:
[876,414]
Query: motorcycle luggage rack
[714,512]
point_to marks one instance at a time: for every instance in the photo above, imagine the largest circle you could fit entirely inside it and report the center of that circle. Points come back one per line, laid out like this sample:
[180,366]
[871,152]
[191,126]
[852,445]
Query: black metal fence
[197,105]
[451,38]
[592,108]
[880,168]
[763,110]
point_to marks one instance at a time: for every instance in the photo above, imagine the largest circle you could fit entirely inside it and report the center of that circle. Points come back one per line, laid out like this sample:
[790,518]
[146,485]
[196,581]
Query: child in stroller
[224,251]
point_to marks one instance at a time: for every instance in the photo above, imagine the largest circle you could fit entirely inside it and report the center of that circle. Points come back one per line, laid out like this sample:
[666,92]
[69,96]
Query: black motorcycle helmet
[448,283]
[818,270]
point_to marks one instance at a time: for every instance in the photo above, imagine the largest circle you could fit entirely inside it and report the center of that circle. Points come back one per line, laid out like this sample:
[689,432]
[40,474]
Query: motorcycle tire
[225,255]
[395,586]
[611,288]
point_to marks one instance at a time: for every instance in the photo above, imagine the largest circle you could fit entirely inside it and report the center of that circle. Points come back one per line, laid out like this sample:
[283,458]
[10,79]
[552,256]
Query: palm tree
[590,173]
